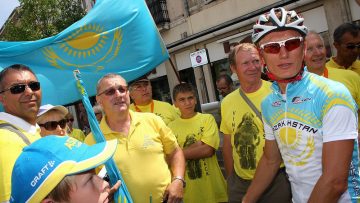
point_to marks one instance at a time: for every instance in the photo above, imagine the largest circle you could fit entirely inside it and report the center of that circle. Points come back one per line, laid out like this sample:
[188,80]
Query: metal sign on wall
[199,58]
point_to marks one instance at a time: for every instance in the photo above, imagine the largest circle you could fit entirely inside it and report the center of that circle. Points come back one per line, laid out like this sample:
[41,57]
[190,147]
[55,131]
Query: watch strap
[181,179]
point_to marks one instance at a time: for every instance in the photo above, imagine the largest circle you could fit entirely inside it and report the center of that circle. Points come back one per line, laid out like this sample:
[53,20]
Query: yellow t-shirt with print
[77,134]
[355,66]
[140,156]
[11,146]
[246,130]
[163,109]
[204,179]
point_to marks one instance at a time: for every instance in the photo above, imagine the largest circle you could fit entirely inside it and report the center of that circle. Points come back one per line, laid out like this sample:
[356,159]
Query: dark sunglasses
[52,125]
[289,44]
[70,120]
[20,88]
[352,46]
[112,90]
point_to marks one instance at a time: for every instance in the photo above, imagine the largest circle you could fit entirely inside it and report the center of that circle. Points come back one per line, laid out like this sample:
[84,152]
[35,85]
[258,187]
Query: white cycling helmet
[277,19]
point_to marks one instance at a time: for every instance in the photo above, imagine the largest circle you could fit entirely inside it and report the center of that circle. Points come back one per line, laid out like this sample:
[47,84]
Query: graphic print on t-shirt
[246,139]
[193,167]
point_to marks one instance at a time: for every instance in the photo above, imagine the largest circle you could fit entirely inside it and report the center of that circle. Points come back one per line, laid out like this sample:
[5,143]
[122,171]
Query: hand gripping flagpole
[122,195]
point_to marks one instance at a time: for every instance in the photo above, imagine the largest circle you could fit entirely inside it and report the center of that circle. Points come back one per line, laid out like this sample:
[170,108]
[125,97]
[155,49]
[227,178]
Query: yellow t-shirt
[163,109]
[350,79]
[205,182]
[245,128]
[140,156]
[354,67]
[77,134]
[11,146]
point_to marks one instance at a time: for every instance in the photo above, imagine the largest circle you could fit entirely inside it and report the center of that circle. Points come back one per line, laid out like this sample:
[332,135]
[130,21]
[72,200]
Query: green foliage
[37,19]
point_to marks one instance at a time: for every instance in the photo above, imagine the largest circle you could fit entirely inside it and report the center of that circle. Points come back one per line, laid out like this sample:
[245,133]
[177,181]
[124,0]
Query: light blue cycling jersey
[313,111]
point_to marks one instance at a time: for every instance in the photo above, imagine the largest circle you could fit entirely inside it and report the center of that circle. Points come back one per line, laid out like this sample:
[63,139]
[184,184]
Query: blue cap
[43,164]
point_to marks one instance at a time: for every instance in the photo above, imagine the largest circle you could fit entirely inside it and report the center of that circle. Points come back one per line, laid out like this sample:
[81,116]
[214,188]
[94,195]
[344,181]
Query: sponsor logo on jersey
[298,100]
[276,103]
[294,124]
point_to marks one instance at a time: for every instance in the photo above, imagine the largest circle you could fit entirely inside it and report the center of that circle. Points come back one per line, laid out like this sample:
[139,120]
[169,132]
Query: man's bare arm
[198,150]
[336,158]
[174,191]
[227,155]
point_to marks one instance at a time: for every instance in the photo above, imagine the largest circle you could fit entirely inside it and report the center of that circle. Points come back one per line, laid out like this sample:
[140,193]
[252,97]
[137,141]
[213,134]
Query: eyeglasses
[112,90]
[352,46]
[52,125]
[20,88]
[70,120]
[289,44]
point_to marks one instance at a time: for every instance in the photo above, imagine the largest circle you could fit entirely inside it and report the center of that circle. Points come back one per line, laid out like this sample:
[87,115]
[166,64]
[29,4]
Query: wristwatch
[179,178]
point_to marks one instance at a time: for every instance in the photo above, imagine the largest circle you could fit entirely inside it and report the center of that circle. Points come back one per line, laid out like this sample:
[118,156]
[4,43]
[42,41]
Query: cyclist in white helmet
[310,122]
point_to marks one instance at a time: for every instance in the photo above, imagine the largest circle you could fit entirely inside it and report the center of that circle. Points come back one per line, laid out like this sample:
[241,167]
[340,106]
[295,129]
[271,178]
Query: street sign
[199,58]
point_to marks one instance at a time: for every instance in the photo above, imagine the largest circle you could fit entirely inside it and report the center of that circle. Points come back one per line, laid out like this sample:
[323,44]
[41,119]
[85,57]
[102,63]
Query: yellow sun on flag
[85,42]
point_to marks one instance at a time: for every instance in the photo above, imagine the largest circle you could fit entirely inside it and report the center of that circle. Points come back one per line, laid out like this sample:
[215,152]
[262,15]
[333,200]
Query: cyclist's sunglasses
[20,88]
[289,44]
[52,125]
[112,90]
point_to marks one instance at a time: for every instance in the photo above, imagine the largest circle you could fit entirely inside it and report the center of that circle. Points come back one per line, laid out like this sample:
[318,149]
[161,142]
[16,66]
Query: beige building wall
[188,20]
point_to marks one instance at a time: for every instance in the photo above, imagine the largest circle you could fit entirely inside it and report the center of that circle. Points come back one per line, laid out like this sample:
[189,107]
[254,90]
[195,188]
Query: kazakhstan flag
[115,36]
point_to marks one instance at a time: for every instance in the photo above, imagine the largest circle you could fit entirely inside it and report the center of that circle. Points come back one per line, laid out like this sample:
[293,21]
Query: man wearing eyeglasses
[145,144]
[141,94]
[20,95]
[347,44]
[310,122]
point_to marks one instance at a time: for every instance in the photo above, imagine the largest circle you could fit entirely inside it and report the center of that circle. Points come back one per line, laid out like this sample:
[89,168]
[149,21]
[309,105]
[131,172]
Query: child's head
[60,169]
[184,95]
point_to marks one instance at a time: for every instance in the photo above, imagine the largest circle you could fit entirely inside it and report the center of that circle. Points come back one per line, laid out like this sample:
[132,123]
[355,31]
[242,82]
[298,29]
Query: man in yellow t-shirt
[243,129]
[315,59]
[74,132]
[145,144]
[20,95]
[141,94]
[198,136]
[347,44]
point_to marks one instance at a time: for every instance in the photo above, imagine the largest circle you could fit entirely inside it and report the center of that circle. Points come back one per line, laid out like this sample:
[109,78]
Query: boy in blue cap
[61,169]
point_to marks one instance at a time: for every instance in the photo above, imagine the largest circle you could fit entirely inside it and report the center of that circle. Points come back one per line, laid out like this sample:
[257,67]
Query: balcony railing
[159,12]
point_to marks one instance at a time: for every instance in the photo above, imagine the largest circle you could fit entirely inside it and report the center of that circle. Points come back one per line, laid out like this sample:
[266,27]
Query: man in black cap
[141,94]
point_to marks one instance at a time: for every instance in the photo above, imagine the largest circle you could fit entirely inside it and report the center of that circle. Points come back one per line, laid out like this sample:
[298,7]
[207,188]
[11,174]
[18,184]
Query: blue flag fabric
[122,195]
[115,36]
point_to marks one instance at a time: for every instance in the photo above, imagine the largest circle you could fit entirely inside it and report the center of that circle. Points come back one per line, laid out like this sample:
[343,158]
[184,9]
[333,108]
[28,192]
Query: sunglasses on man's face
[70,120]
[20,88]
[289,44]
[52,125]
[353,46]
[111,91]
